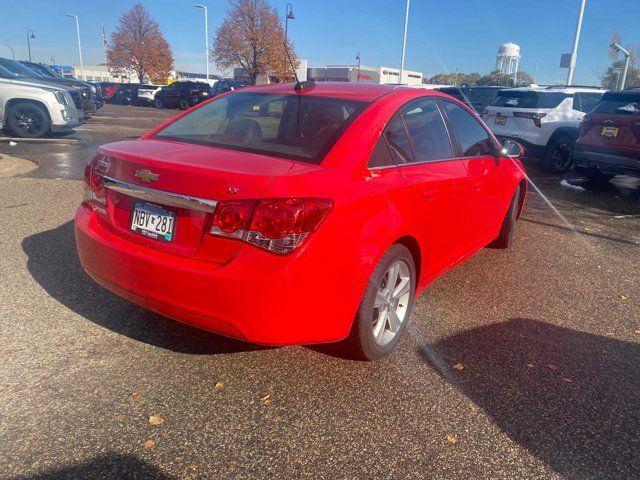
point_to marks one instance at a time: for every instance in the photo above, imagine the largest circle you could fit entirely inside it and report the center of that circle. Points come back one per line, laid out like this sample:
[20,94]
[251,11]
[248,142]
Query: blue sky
[443,34]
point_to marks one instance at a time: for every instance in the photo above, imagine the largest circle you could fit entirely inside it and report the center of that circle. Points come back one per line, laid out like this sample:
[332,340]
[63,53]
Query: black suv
[227,84]
[127,93]
[182,95]
[475,97]
[88,93]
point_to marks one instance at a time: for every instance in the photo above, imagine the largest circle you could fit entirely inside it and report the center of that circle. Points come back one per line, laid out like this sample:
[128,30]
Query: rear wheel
[559,155]
[28,120]
[385,307]
[505,238]
[158,103]
[596,176]
[184,103]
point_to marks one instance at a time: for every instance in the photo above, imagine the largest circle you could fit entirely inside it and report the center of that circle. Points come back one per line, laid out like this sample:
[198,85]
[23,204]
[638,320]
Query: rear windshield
[292,126]
[513,99]
[620,103]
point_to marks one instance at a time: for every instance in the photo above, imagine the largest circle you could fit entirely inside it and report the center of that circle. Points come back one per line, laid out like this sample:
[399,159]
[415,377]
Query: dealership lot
[518,364]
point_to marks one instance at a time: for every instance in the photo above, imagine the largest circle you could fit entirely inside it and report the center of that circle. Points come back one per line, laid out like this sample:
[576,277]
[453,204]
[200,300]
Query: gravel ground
[547,335]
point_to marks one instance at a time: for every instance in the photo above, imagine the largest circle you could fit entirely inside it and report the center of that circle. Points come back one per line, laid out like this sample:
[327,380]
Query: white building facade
[363,74]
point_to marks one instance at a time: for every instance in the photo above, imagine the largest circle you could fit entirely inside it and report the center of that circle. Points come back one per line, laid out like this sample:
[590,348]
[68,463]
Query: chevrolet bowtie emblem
[146,176]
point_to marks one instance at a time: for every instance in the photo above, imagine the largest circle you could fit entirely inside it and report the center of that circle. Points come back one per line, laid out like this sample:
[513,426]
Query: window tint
[398,141]
[527,99]
[585,102]
[381,156]
[427,132]
[285,125]
[473,138]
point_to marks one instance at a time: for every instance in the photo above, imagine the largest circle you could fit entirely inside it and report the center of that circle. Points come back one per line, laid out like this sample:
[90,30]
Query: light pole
[576,40]
[11,48]
[358,58]
[289,16]
[535,73]
[29,37]
[404,39]
[206,36]
[79,46]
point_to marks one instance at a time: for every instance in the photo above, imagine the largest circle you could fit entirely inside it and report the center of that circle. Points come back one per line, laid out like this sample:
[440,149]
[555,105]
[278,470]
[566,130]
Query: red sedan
[294,215]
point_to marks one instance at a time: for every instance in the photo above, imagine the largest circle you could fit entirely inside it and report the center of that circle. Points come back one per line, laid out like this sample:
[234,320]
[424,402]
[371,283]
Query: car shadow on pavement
[53,262]
[105,467]
[569,397]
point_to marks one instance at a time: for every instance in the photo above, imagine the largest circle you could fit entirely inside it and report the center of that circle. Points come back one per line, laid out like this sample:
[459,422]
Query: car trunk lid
[184,181]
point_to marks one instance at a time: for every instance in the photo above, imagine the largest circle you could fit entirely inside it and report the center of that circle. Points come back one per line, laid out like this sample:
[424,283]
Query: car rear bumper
[257,297]
[607,161]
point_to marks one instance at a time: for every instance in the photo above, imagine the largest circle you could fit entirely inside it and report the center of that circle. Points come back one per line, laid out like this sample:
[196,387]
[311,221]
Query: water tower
[508,58]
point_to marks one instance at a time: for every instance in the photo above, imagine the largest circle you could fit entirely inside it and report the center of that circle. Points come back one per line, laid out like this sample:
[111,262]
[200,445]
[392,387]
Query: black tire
[596,176]
[158,103]
[361,343]
[28,120]
[505,238]
[558,157]
[184,103]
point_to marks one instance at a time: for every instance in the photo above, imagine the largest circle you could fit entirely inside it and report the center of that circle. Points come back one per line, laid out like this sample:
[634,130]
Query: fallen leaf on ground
[567,380]
[637,332]
[451,439]
[135,394]
[623,297]
[458,366]
[266,399]
[219,385]
[551,366]
[154,420]
[530,365]
[149,444]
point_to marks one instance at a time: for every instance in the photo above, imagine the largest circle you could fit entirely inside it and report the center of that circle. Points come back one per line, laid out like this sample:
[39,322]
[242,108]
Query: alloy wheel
[562,156]
[28,121]
[391,304]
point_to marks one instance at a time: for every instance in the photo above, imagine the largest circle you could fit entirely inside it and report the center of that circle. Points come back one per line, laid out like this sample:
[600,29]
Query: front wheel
[158,103]
[184,103]
[28,120]
[385,307]
[505,237]
[559,155]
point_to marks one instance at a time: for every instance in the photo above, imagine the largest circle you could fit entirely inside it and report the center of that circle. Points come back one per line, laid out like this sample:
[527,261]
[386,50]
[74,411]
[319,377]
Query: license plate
[500,120]
[611,132]
[153,221]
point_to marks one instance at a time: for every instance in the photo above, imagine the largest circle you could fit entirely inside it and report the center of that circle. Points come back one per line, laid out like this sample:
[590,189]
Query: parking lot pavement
[518,364]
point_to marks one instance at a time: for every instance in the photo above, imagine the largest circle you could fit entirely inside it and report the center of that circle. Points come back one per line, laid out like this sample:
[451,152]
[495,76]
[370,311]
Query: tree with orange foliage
[251,37]
[138,45]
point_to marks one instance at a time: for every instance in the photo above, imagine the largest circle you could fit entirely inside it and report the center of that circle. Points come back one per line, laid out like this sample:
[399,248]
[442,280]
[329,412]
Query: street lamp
[576,40]
[289,16]
[206,37]
[535,74]
[358,58]
[13,55]
[79,46]
[404,39]
[29,37]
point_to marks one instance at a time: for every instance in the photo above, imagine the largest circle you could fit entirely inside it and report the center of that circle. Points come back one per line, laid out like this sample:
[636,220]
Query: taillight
[93,184]
[533,116]
[278,225]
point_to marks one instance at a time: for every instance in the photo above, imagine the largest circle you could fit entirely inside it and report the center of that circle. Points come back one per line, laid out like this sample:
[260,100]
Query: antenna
[300,86]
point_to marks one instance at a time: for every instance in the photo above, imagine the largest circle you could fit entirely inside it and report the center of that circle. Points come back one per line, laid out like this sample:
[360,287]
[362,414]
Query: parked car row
[180,94]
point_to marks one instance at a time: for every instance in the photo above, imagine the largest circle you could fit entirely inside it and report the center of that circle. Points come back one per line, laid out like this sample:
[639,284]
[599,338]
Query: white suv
[32,107]
[545,120]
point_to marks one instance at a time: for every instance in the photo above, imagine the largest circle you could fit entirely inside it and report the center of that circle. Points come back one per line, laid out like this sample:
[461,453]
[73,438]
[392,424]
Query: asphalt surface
[547,334]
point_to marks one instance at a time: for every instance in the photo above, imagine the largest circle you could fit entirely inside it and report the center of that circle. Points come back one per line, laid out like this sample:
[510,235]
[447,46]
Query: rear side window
[511,99]
[585,102]
[398,140]
[473,138]
[300,127]
[619,104]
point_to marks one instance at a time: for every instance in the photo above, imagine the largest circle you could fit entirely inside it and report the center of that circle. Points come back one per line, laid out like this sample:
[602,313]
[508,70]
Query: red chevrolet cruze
[298,214]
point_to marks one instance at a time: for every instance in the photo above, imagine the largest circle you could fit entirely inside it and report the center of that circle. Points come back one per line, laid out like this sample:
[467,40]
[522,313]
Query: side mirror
[512,149]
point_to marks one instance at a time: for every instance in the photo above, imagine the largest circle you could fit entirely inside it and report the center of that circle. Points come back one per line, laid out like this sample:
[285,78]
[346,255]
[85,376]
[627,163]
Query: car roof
[367,92]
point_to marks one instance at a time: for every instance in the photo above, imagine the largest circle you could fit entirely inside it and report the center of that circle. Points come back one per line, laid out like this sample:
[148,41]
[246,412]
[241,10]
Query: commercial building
[363,74]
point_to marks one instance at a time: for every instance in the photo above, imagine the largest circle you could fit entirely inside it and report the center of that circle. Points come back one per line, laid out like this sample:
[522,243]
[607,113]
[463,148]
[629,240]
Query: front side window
[301,127]
[473,138]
